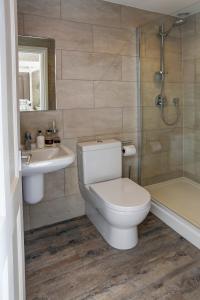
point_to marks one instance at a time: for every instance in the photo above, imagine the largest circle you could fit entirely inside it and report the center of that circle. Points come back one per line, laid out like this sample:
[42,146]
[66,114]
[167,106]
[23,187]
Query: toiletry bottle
[27,140]
[56,140]
[40,140]
[48,138]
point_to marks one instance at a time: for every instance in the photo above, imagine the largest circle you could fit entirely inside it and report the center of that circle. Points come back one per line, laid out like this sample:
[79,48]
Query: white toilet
[115,205]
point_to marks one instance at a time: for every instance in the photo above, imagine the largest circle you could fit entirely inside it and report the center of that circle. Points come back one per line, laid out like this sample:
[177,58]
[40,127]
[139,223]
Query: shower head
[179,22]
[181,19]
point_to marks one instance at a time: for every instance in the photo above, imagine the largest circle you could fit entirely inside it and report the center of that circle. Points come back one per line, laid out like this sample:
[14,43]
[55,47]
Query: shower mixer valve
[161,101]
[176,101]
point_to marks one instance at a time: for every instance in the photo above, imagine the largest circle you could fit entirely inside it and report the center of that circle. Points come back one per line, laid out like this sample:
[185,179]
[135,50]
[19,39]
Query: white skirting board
[179,224]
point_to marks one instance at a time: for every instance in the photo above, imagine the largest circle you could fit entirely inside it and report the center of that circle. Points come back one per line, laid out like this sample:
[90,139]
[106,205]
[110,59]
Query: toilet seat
[122,194]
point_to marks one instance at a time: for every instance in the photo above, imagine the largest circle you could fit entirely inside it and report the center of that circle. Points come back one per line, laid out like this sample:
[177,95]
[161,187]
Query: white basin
[42,161]
[47,160]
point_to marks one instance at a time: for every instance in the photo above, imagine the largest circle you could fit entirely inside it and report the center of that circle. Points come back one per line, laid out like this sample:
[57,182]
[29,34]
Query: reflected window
[33,78]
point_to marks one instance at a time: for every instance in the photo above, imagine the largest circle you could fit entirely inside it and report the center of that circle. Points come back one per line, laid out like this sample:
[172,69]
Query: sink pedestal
[33,188]
[43,161]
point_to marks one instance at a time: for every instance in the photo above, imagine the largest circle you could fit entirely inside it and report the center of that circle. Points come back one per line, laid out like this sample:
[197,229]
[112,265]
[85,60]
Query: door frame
[12,274]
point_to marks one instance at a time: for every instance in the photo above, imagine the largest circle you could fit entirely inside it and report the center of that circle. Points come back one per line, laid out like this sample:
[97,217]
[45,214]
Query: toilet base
[122,239]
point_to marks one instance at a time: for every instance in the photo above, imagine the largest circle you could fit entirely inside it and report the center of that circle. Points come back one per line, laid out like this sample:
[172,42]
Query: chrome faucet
[53,129]
[27,140]
[27,157]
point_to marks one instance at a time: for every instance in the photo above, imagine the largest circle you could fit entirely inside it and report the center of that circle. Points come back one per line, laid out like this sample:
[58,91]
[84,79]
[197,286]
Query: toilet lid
[122,194]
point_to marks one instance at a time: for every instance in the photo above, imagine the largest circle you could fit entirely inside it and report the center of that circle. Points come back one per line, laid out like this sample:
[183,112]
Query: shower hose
[162,110]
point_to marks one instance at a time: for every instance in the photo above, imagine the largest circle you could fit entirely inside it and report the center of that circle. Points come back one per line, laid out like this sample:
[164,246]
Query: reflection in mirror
[36,74]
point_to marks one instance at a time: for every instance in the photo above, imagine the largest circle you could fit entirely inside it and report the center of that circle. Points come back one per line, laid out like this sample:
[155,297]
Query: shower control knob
[160,101]
[176,101]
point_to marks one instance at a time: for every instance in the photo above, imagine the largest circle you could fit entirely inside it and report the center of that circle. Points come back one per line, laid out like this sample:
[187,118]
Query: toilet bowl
[116,206]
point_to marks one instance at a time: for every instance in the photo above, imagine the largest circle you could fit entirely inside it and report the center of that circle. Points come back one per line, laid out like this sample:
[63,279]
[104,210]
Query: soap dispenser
[40,140]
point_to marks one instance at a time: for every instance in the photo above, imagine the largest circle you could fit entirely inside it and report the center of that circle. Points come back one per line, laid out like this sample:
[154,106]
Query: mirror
[36,77]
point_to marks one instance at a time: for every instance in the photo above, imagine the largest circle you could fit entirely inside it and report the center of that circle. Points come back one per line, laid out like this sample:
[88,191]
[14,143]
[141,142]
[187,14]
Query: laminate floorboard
[71,261]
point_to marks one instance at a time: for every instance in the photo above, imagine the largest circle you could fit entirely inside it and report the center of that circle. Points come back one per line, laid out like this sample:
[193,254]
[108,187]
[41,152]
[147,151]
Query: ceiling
[168,7]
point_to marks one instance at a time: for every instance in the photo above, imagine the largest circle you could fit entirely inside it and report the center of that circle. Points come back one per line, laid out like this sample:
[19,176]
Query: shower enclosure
[170,120]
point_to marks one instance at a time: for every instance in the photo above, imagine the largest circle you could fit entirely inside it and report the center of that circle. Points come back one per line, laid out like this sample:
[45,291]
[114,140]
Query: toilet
[115,205]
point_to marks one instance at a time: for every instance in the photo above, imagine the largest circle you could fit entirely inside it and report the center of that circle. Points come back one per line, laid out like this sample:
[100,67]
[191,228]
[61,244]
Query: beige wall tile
[133,17]
[171,140]
[78,122]
[49,212]
[130,167]
[61,209]
[76,206]
[71,143]
[191,47]
[129,68]
[113,40]
[74,94]
[71,181]
[152,45]
[191,93]
[129,136]
[130,120]
[173,68]
[158,164]
[151,65]
[45,213]
[86,123]
[189,70]
[54,185]
[189,117]
[152,118]
[174,90]
[49,8]
[90,66]
[149,92]
[152,27]
[189,28]
[148,68]
[105,136]
[107,120]
[34,121]
[68,35]
[91,11]
[114,94]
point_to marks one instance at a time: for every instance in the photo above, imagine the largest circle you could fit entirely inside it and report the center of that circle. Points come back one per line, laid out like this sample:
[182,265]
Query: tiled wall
[162,144]
[96,87]
[191,78]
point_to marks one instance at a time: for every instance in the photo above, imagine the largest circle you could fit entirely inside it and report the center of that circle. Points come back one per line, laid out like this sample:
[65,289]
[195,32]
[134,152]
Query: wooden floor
[70,260]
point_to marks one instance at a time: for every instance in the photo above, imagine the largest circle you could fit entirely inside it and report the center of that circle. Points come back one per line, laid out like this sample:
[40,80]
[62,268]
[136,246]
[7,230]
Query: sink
[47,160]
[42,161]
